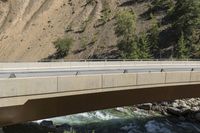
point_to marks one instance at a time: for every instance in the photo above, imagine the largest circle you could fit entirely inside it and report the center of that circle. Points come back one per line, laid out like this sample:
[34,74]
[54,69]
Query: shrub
[63,46]
[125,23]
[125,29]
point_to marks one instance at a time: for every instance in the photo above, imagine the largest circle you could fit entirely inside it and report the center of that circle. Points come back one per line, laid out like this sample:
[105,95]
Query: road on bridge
[20,73]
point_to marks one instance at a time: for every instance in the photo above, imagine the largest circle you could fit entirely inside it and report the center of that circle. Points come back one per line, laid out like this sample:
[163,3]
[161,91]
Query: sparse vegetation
[63,46]
[68,29]
[84,42]
[90,2]
[165,28]
[106,12]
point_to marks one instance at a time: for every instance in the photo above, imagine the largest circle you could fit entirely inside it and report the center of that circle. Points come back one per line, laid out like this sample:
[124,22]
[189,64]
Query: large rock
[177,111]
[46,123]
[146,106]
[175,104]
[174,111]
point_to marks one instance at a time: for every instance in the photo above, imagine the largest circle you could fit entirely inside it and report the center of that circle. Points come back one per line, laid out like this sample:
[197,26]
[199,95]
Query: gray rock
[195,109]
[173,111]
[146,106]
[177,111]
[164,103]
[175,104]
[46,123]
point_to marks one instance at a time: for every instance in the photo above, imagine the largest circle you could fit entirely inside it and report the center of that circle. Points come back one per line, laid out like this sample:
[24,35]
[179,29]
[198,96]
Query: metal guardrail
[96,60]
[105,60]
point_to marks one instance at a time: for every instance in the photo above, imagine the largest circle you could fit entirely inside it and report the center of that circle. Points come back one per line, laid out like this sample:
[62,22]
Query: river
[126,120]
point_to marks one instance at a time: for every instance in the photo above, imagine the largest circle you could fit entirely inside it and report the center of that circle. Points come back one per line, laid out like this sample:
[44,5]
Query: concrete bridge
[44,90]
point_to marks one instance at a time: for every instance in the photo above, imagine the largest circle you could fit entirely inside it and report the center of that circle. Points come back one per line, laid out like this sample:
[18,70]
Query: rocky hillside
[28,28]
[81,29]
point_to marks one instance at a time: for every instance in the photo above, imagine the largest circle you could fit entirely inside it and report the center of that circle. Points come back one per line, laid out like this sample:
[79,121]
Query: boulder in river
[146,106]
[46,123]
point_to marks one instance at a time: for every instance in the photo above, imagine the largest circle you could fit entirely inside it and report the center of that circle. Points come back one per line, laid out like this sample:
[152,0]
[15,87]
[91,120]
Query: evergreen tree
[135,50]
[162,4]
[186,18]
[182,50]
[154,38]
[143,45]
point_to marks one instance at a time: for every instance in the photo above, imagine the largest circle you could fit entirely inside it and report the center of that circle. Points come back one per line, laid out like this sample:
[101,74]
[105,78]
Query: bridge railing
[70,64]
[110,60]
[95,60]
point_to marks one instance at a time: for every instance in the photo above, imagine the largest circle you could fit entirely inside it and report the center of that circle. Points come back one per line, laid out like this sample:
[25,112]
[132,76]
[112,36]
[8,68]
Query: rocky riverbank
[185,109]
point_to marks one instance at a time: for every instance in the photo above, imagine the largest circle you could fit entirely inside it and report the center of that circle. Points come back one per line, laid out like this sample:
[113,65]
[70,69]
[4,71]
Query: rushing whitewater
[126,120]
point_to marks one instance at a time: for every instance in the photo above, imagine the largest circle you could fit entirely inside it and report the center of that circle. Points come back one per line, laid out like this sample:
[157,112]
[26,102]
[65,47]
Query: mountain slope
[28,28]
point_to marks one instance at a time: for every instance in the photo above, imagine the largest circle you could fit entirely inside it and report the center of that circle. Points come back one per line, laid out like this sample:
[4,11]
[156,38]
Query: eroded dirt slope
[28,28]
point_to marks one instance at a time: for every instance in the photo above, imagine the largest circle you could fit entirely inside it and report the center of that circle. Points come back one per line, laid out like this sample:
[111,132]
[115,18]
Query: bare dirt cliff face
[28,28]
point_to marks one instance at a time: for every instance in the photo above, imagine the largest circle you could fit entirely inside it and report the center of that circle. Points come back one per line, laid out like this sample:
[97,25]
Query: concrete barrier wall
[176,77]
[34,86]
[195,76]
[29,86]
[74,83]
[119,80]
[150,78]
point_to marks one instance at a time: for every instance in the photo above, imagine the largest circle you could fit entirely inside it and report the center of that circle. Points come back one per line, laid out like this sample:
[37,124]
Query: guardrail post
[125,71]
[77,73]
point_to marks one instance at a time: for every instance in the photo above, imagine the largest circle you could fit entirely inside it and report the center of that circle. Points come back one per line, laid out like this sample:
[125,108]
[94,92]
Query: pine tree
[154,38]
[182,50]
[186,19]
[144,47]
[135,50]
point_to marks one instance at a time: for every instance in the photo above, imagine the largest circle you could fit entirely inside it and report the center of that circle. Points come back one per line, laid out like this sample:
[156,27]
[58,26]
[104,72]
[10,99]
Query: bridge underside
[53,107]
